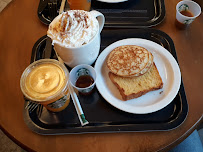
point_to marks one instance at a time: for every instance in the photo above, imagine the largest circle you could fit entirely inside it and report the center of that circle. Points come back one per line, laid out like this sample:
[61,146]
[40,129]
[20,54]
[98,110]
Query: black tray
[132,13]
[102,116]
[43,12]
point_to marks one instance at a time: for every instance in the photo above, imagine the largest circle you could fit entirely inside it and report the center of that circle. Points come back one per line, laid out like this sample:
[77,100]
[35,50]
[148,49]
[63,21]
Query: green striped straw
[77,105]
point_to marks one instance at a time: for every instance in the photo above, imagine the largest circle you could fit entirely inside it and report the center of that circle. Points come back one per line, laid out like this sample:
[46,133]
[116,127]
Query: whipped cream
[73,28]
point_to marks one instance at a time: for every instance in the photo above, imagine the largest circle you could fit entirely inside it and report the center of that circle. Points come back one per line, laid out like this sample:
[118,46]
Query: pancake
[129,60]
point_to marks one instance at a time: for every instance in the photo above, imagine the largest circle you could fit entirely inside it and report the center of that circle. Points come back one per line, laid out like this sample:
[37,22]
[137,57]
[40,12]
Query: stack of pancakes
[133,71]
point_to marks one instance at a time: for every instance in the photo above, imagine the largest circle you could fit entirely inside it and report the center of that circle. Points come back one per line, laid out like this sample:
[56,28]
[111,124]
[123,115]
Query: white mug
[85,54]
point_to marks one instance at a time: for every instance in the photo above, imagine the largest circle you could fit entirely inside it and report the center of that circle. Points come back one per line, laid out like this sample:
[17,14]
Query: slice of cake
[133,87]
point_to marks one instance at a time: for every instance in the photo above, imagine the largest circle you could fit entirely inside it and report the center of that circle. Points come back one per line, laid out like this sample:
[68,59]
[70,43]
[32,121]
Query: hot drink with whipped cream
[75,35]
[73,28]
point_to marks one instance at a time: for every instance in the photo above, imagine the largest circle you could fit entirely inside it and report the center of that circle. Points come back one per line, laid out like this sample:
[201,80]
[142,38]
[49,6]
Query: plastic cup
[186,12]
[46,82]
[80,4]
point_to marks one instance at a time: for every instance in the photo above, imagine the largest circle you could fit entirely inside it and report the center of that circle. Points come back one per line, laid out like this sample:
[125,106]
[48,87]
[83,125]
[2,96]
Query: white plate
[152,101]
[112,1]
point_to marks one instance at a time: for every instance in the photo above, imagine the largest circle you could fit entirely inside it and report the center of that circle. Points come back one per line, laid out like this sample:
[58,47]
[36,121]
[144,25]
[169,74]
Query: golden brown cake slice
[133,87]
[129,60]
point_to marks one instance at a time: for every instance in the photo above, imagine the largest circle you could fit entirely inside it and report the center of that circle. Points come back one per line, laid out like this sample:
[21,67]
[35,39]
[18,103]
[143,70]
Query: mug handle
[100,17]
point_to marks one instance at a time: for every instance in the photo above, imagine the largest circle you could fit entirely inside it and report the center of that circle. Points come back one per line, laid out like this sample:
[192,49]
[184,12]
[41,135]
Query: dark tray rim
[153,22]
[121,128]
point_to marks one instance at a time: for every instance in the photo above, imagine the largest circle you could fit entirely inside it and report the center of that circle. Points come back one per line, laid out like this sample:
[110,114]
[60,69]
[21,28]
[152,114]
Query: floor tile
[7,145]
[4,3]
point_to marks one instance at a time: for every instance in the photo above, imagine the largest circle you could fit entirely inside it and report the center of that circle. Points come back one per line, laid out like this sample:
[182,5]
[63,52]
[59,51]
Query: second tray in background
[131,13]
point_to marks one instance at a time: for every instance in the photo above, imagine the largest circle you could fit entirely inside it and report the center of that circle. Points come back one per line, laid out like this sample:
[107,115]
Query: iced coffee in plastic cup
[46,82]
[80,4]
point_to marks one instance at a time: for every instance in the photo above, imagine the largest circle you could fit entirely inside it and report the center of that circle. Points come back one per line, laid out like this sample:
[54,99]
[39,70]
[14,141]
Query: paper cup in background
[186,12]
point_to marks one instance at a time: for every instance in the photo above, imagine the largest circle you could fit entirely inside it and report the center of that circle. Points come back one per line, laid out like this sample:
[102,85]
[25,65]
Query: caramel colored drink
[80,4]
[46,82]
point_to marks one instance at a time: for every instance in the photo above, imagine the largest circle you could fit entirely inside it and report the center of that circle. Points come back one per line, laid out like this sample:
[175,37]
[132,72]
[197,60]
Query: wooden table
[21,28]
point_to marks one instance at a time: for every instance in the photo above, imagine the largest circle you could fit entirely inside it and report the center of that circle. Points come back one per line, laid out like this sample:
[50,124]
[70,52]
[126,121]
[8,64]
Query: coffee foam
[73,28]
[44,81]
